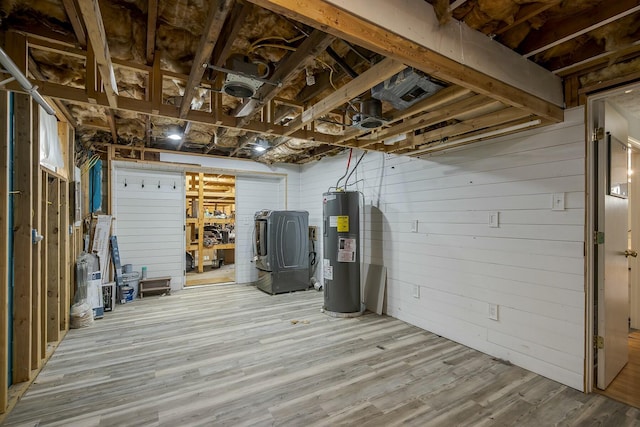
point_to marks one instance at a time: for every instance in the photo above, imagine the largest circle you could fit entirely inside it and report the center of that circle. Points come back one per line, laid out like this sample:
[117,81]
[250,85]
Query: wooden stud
[53,260]
[156,85]
[37,200]
[200,222]
[41,279]
[65,259]
[4,248]
[23,251]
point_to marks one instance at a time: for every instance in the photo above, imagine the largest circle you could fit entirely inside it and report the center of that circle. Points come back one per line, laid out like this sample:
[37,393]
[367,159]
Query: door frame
[590,226]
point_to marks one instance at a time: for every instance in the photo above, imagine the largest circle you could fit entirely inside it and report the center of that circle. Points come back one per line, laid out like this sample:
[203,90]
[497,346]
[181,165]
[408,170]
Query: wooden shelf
[207,198]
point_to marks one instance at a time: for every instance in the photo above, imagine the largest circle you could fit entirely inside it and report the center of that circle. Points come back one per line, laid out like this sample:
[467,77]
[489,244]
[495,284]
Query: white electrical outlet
[494,219]
[558,202]
[414,226]
[416,291]
[206,258]
[493,311]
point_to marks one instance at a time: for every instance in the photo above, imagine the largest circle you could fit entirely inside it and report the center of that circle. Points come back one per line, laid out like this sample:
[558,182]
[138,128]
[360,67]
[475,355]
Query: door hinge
[598,237]
[598,342]
[598,134]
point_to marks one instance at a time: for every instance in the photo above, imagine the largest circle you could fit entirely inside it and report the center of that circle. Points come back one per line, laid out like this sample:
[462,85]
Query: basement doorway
[613,352]
[210,230]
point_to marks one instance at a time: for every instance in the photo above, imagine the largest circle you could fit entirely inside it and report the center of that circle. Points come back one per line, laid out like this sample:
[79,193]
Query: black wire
[345,172]
[354,168]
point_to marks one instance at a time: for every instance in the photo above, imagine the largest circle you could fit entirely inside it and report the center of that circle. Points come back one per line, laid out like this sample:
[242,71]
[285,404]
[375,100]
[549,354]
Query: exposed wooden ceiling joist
[217,15]
[554,33]
[454,52]
[111,119]
[466,106]
[90,10]
[229,33]
[503,116]
[443,97]
[76,22]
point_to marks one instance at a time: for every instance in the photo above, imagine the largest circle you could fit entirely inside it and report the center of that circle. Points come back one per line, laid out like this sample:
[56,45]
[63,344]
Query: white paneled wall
[531,265]
[149,221]
[253,193]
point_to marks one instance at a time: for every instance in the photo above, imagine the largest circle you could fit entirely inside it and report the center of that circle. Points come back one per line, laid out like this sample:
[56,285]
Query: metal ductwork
[405,88]
[370,116]
[243,79]
[11,68]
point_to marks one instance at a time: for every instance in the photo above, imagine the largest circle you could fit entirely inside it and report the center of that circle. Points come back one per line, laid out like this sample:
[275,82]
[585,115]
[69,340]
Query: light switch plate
[493,311]
[558,202]
[416,291]
[494,219]
[414,226]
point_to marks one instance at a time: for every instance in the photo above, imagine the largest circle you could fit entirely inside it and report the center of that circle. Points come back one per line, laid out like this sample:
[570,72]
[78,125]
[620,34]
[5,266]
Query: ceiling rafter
[217,15]
[556,32]
[71,8]
[90,10]
[152,23]
[527,12]
[111,119]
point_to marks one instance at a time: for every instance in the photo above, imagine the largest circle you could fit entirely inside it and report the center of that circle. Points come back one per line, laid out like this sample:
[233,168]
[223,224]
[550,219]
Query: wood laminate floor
[212,276]
[626,386]
[233,355]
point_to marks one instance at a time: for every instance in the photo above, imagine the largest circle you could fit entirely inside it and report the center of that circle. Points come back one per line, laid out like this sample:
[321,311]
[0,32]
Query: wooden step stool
[154,284]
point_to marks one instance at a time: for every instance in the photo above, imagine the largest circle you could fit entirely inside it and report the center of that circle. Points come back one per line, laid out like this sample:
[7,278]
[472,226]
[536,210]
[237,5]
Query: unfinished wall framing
[42,269]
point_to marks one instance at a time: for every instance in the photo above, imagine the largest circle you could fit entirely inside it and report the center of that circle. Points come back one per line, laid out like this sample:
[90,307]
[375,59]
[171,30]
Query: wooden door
[612,278]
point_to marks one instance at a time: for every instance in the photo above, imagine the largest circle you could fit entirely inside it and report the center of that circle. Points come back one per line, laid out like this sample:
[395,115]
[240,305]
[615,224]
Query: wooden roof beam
[90,10]
[475,104]
[152,23]
[409,32]
[216,17]
[71,8]
[557,32]
[443,97]
[61,109]
[229,33]
[376,74]
[505,115]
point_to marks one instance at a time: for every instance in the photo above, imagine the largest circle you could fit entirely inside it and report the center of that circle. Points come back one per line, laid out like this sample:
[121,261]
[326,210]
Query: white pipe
[32,90]
[477,137]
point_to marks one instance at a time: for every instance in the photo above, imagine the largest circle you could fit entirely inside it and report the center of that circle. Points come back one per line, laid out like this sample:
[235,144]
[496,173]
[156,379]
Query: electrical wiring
[277,46]
[331,71]
[90,163]
[354,168]
[293,40]
[347,171]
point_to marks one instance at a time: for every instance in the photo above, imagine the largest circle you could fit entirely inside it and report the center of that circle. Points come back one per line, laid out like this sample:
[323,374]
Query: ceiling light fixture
[496,132]
[174,136]
[259,148]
